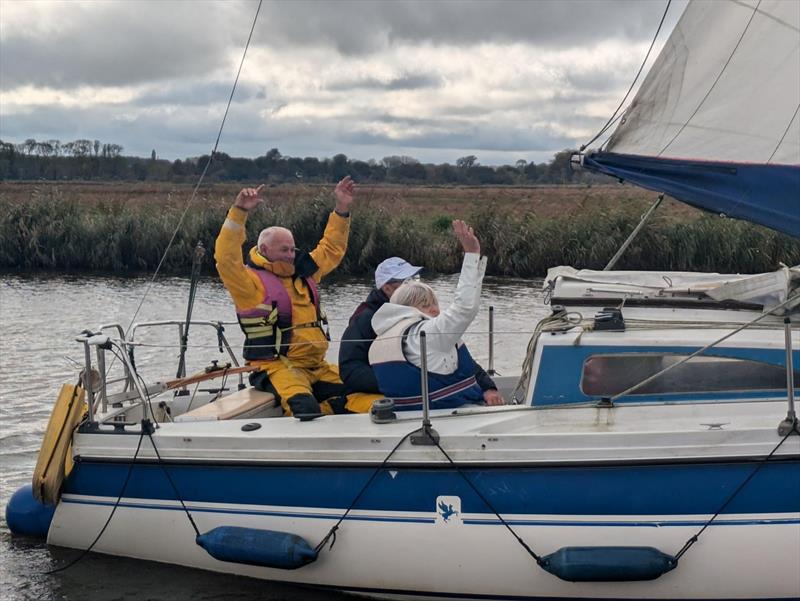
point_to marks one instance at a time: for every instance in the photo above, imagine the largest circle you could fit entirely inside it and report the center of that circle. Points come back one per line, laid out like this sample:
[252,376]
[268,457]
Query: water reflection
[41,315]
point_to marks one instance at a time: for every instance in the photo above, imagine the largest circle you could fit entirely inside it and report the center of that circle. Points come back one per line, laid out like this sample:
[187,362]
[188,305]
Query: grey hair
[265,237]
[414,294]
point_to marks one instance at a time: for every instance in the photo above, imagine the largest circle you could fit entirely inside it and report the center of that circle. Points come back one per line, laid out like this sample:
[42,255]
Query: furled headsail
[716,122]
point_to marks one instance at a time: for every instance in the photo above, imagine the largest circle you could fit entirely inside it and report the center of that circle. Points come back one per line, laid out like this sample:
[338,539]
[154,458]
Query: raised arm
[331,248]
[244,288]
[447,328]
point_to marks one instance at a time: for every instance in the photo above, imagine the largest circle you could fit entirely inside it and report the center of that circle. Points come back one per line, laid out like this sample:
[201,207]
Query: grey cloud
[190,133]
[355,27]
[407,81]
[599,80]
[116,43]
[472,138]
[414,82]
[197,93]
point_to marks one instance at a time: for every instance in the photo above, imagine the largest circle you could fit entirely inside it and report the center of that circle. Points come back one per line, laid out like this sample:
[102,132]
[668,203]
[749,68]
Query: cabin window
[607,375]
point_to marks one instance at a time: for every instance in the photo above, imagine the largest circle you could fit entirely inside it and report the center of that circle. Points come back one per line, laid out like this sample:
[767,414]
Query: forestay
[716,122]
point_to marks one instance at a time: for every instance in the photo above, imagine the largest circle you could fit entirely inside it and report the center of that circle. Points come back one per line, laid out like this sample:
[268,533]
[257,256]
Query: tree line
[92,160]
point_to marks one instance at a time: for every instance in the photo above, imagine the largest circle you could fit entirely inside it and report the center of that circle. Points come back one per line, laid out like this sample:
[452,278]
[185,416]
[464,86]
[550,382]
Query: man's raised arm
[244,290]
[333,245]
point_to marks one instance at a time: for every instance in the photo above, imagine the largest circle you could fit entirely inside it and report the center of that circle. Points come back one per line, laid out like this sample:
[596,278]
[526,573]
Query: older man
[278,305]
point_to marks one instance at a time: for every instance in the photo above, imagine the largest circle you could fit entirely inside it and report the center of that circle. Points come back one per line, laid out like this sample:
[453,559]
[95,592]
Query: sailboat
[653,453]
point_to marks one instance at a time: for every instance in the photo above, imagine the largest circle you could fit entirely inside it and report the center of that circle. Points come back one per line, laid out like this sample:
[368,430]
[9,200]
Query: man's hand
[345,191]
[493,397]
[466,236]
[249,198]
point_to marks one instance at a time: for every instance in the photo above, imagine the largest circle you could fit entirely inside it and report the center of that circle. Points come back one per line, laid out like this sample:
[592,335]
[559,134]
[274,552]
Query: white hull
[457,560]
[385,552]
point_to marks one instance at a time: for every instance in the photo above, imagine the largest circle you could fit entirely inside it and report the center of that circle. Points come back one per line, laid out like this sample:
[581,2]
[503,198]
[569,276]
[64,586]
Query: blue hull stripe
[419,520]
[684,489]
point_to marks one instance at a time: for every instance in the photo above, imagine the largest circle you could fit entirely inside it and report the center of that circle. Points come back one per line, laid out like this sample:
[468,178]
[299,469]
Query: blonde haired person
[395,355]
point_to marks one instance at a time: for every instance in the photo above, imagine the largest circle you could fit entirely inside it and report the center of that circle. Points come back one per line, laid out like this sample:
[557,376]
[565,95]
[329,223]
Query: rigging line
[202,175]
[693,539]
[541,561]
[786,131]
[713,85]
[110,515]
[633,83]
[335,527]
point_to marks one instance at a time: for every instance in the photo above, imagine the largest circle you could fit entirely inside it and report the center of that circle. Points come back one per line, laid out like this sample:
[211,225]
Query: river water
[39,319]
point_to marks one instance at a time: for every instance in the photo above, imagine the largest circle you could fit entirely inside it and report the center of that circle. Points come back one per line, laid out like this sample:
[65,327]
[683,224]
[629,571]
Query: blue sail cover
[716,122]
[765,194]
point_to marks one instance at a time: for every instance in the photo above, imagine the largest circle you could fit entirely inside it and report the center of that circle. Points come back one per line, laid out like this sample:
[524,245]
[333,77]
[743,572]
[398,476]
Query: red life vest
[268,326]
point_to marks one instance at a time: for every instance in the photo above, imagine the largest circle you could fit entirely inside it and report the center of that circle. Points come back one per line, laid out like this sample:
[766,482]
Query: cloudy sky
[435,80]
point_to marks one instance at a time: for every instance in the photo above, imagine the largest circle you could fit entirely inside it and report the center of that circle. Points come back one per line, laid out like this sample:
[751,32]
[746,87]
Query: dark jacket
[354,367]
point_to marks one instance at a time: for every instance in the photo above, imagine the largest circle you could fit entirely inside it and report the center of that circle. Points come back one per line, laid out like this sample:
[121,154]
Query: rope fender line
[694,538]
[332,532]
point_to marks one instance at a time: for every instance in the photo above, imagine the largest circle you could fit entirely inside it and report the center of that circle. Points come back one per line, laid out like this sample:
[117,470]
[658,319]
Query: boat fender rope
[693,539]
[540,561]
[88,549]
[171,482]
[332,532]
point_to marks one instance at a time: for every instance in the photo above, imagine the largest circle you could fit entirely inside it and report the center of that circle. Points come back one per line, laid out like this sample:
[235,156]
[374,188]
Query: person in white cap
[360,384]
[454,378]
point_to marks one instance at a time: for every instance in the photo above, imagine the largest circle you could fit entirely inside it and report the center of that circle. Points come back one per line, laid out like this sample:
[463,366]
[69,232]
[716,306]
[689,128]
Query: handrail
[219,326]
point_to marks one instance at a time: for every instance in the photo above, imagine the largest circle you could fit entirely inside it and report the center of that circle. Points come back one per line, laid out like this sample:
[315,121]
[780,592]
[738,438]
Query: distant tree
[407,172]
[395,160]
[467,162]
[44,149]
[96,145]
[311,167]
[153,155]
[81,148]
[360,170]
[339,167]
[29,146]
[559,170]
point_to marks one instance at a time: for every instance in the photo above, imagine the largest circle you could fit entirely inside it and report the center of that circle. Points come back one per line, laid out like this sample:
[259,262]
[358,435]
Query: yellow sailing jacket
[247,291]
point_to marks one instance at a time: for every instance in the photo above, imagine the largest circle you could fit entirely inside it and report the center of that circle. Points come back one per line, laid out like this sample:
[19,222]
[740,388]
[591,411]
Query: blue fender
[27,516]
[266,548]
[608,564]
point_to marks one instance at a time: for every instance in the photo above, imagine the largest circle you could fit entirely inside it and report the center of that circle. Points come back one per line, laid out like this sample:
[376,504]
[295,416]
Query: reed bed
[50,230]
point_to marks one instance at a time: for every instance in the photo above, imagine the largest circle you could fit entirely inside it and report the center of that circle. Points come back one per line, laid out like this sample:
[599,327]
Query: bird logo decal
[446,511]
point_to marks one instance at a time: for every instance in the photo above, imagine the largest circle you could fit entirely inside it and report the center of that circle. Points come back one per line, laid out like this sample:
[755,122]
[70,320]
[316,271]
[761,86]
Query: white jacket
[444,331]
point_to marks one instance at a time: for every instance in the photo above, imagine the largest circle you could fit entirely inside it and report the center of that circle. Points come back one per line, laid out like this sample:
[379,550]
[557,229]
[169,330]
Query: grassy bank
[523,230]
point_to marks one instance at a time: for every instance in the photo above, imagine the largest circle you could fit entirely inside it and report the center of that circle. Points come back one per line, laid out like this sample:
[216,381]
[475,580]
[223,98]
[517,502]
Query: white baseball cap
[394,268]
